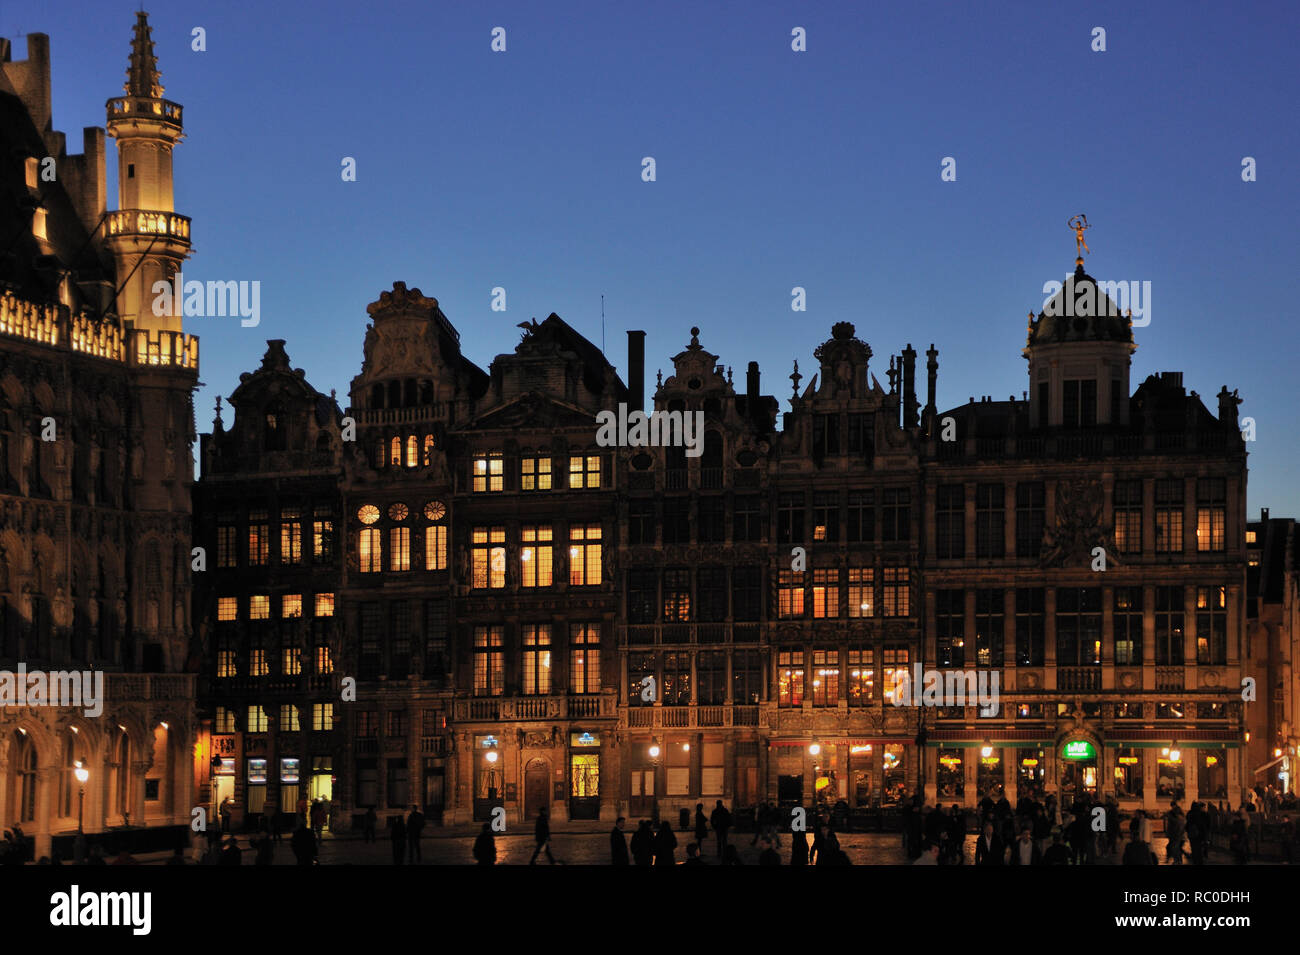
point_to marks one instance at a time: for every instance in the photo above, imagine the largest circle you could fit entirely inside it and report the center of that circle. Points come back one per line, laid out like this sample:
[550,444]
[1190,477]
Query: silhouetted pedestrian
[414,827]
[542,836]
[485,846]
[799,848]
[721,821]
[643,844]
[665,845]
[398,836]
[618,843]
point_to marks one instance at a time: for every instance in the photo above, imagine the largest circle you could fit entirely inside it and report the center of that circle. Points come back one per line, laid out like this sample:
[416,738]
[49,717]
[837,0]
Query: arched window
[428,450]
[71,757]
[395,453]
[25,784]
[412,450]
[381,449]
[122,791]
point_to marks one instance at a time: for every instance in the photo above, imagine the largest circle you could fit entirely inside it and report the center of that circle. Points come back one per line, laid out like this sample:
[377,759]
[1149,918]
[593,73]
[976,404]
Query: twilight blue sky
[775,169]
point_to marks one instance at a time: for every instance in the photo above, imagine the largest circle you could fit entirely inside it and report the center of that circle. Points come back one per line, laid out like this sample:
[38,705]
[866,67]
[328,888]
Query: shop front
[584,775]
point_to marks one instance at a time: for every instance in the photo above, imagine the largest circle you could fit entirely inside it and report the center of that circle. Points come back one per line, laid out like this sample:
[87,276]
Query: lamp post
[654,752]
[82,775]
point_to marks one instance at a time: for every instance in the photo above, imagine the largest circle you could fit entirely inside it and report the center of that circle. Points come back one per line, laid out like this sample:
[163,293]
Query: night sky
[775,169]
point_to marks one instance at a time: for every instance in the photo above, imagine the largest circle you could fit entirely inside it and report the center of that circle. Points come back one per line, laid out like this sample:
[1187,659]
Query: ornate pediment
[401,346]
[535,410]
[1080,509]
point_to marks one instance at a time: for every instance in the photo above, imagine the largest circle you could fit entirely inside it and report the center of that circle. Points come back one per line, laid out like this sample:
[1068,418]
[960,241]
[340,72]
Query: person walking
[665,844]
[799,848]
[643,844]
[398,836]
[989,849]
[318,819]
[618,843]
[701,824]
[1198,831]
[485,846]
[226,809]
[1175,831]
[542,836]
[1024,851]
[721,820]
[414,827]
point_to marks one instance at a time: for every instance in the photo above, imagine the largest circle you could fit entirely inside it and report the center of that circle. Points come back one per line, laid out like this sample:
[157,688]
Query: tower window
[130,170]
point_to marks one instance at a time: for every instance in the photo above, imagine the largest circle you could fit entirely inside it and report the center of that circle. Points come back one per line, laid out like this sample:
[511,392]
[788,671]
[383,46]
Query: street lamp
[654,752]
[79,845]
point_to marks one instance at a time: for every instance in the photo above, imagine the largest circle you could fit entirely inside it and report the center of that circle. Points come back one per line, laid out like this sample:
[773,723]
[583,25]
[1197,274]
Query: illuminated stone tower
[149,242]
[148,239]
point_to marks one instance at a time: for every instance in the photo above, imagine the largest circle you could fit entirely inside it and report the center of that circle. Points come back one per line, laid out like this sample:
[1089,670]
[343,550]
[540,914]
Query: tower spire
[142,77]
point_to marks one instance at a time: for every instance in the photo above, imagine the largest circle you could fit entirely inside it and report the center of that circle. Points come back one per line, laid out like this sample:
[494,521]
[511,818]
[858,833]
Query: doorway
[537,787]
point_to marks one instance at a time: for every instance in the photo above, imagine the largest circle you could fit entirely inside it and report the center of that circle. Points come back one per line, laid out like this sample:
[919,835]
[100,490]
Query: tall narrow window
[1169,626]
[489,557]
[677,594]
[1169,516]
[1211,506]
[399,548]
[862,517]
[789,515]
[896,515]
[227,545]
[826,516]
[861,676]
[584,658]
[896,592]
[1078,626]
[1128,626]
[1031,517]
[537,659]
[826,592]
[789,594]
[990,520]
[989,633]
[862,591]
[1211,625]
[950,521]
[489,661]
[412,450]
[585,568]
[259,538]
[395,453]
[535,555]
[1128,516]
[950,627]
[790,677]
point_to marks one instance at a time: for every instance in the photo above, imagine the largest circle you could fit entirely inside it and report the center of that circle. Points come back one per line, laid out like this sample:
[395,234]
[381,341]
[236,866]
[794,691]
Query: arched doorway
[23,792]
[537,787]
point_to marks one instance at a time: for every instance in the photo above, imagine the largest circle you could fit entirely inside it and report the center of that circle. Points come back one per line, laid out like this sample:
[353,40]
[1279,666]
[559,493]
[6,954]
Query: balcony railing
[1078,678]
[162,110]
[147,222]
[1169,678]
[711,478]
[691,717]
[675,480]
[175,349]
[504,709]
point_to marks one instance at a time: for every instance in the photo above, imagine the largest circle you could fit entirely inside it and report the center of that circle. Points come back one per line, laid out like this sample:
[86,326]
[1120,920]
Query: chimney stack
[751,386]
[636,370]
[910,405]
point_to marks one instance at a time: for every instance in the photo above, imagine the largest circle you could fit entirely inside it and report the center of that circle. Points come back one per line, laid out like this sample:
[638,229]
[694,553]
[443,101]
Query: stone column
[46,793]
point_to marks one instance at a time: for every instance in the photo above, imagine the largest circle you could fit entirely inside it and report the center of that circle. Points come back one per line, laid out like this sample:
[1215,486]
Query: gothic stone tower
[149,241]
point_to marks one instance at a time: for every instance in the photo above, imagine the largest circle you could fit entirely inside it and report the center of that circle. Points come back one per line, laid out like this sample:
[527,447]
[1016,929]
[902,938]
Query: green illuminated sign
[1078,749]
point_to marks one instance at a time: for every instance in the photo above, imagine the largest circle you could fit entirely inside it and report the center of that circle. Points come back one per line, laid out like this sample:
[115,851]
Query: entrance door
[537,788]
[222,786]
[643,792]
[434,783]
[584,786]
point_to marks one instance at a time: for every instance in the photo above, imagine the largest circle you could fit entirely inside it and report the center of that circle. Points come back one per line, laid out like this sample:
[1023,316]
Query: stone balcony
[504,709]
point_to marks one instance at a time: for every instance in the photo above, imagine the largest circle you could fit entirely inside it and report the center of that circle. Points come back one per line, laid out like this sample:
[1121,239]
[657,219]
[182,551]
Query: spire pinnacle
[142,77]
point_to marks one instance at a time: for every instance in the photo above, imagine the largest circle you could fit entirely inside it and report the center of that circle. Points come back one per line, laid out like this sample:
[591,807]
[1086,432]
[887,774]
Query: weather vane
[1078,224]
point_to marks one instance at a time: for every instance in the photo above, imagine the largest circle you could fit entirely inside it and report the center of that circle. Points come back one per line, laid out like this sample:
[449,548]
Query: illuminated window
[224,722]
[399,548]
[412,450]
[257,664]
[861,676]
[257,720]
[290,658]
[322,717]
[584,471]
[289,718]
[1211,625]
[789,683]
[368,514]
[435,547]
[227,608]
[395,453]
[826,592]
[1128,517]
[324,605]
[893,671]
[584,658]
[369,550]
[428,450]
[489,558]
[322,536]
[290,536]
[398,512]
[535,474]
[226,663]
[535,556]
[1250,537]
[537,658]
[1211,506]
[585,567]
[896,592]
[825,678]
[1169,516]
[789,594]
[489,473]
[324,662]
[1169,626]
[259,607]
[259,538]
[826,516]
[1127,626]
[862,592]
[489,661]
[435,511]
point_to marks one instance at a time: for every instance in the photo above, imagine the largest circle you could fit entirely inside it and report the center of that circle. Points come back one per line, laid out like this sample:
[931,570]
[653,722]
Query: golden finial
[1078,224]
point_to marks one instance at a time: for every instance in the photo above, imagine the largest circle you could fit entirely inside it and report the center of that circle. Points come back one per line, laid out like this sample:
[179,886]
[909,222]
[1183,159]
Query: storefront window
[1128,773]
[289,778]
[1031,767]
[256,785]
[860,774]
[951,775]
[990,780]
[1170,783]
[895,775]
[1212,774]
